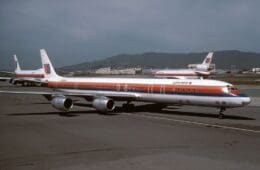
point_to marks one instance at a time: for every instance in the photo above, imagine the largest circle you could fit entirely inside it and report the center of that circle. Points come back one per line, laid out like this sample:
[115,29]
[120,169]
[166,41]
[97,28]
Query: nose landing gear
[221,114]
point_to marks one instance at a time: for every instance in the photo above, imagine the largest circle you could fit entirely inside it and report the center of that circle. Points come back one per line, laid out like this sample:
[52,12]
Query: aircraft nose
[246,101]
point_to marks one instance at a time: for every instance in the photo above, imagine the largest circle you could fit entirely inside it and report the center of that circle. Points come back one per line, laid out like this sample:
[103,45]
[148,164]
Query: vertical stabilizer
[207,61]
[17,65]
[49,71]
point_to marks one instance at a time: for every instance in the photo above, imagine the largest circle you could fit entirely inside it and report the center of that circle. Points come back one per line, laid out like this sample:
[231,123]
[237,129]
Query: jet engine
[62,103]
[202,67]
[103,104]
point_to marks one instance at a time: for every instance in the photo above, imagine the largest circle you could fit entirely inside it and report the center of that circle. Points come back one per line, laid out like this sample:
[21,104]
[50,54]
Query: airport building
[256,70]
[126,71]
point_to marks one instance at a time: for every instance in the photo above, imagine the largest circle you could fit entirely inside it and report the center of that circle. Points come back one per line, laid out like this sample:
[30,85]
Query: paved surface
[33,135]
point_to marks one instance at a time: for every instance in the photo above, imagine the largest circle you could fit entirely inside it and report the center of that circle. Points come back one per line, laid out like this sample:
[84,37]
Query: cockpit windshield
[233,89]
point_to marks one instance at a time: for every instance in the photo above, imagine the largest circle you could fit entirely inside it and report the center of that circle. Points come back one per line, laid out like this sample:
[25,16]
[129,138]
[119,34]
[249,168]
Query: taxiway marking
[194,123]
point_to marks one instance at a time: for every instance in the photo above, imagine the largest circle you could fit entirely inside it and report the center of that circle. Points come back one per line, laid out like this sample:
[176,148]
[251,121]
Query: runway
[36,136]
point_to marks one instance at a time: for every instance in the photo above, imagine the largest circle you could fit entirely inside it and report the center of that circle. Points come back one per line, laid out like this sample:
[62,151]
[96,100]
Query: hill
[222,59]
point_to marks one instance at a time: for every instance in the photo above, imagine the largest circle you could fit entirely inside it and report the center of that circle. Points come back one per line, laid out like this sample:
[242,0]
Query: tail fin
[49,71]
[207,61]
[17,65]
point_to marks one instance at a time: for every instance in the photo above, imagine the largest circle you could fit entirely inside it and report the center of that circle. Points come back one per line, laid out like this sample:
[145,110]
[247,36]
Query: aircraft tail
[49,71]
[17,65]
[207,61]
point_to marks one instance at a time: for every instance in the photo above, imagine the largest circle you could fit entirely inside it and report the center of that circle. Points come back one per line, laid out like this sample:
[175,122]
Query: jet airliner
[25,77]
[199,70]
[103,92]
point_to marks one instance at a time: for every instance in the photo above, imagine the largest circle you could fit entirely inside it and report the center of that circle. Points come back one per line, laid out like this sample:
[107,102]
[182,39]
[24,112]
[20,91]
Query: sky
[85,30]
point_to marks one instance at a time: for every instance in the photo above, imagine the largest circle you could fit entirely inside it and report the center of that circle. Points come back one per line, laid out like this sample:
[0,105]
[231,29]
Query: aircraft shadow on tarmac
[173,111]
[153,108]
[63,114]
[41,103]
[208,115]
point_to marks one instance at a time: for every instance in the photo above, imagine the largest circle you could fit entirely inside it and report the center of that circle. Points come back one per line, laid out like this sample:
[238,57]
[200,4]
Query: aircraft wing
[28,79]
[171,77]
[5,78]
[94,94]
[203,73]
[179,77]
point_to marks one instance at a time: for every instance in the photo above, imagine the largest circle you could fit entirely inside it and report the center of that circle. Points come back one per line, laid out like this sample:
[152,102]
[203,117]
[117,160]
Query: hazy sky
[73,31]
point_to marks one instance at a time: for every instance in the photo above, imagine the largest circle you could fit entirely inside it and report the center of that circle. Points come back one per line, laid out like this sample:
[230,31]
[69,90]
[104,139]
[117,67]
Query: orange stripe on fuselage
[30,75]
[144,87]
[176,74]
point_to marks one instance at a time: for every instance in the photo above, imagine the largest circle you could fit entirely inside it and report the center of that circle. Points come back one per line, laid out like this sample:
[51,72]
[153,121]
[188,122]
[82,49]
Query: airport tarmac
[36,136]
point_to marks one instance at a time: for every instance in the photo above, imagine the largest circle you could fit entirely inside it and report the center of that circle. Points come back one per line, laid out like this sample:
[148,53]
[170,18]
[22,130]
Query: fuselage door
[118,87]
[162,89]
[126,87]
[150,88]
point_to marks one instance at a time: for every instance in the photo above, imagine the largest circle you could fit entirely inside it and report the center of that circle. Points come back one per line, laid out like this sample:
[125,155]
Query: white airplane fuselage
[200,70]
[102,92]
[211,93]
[26,77]
[30,73]
[181,73]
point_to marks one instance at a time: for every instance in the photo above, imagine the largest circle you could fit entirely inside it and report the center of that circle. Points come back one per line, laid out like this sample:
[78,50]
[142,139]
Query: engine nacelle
[103,104]
[62,103]
[202,67]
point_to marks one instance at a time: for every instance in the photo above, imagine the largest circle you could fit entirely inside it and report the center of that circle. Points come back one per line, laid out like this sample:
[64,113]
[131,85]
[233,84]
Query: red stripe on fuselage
[30,75]
[181,74]
[175,74]
[143,87]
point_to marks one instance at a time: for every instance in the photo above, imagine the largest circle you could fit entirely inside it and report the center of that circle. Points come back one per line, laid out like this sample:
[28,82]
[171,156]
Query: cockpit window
[232,89]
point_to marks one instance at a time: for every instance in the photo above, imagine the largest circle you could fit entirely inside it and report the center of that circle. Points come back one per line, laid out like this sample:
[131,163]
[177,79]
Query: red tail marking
[47,68]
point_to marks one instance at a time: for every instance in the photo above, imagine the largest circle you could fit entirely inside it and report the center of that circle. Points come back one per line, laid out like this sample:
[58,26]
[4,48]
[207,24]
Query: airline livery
[26,77]
[205,65]
[103,92]
[199,70]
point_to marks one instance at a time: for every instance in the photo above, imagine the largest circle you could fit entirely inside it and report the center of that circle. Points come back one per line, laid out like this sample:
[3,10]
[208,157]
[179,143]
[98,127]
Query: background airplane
[25,77]
[7,75]
[197,71]
[205,65]
[103,92]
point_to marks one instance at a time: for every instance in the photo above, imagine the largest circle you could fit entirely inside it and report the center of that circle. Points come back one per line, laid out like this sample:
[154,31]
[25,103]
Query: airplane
[6,74]
[198,71]
[25,77]
[104,92]
[205,65]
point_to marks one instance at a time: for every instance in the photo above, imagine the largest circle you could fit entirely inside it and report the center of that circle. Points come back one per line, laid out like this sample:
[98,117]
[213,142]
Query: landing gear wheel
[221,115]
[128,106]
[25,84]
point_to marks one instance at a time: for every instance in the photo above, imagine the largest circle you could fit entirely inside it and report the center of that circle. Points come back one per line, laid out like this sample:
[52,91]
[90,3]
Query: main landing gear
[221,114]
[128,106]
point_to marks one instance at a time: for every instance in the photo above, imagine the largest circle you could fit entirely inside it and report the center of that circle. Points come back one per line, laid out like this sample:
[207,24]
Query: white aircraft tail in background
[205,65]
[196,71]
[26,77]
[208,59]
[17,68]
